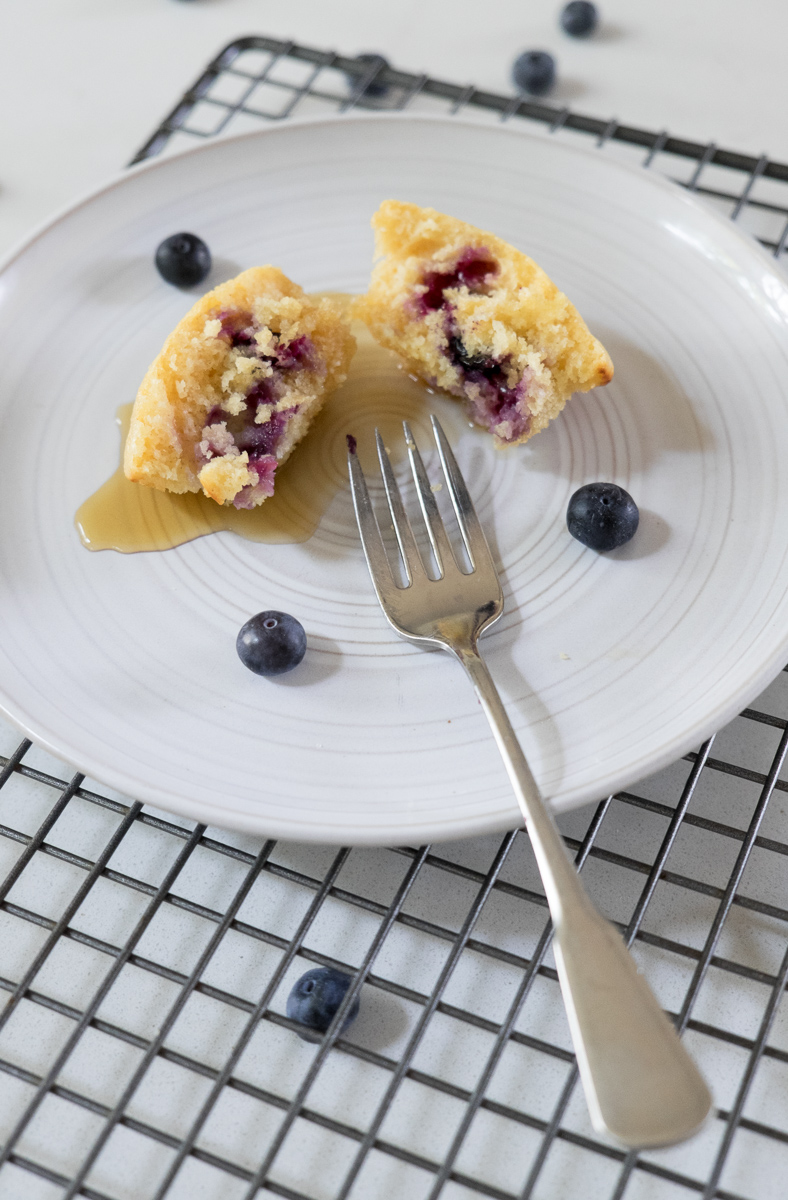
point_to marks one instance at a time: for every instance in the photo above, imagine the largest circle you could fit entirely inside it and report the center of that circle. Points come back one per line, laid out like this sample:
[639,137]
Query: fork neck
[558,874]
[460,633]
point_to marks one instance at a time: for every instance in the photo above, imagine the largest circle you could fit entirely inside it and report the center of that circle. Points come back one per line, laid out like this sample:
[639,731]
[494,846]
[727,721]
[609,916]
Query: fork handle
[642,1087]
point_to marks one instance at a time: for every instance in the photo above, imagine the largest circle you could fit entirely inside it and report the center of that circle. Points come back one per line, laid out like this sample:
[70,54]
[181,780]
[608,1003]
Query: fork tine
[472,533]
[411,558]
[371,541]
[441,546]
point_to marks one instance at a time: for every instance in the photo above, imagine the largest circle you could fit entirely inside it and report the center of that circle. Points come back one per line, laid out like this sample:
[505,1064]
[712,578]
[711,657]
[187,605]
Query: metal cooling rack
[144,1047]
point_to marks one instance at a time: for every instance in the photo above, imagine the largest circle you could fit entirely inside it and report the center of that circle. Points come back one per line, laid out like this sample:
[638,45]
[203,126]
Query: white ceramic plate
[611,665]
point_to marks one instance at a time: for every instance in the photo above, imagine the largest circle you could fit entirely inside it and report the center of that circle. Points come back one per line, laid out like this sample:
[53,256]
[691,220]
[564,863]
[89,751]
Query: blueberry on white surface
[534,72]
[183,259]
[314,1000]
[374,88]
[271,643]
[579,18]
[602,516]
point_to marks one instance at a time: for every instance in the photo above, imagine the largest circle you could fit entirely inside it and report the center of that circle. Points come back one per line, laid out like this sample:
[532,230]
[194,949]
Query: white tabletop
[84,82]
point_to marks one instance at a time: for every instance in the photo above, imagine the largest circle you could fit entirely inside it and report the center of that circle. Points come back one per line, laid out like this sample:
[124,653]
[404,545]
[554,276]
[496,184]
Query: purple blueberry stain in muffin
[216,440]
[254,426]
[264,438]
[298,353]
[264,393]
[240,329]
[500,409]
[264,467]
[473,270]
[260,443]
[496,401]
[237,327]
[466,361]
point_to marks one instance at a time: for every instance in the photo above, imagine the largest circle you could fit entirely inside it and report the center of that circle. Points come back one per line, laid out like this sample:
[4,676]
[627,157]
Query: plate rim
[160,161]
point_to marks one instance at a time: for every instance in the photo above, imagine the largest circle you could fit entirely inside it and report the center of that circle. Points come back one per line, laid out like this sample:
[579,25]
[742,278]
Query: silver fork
[641,1085]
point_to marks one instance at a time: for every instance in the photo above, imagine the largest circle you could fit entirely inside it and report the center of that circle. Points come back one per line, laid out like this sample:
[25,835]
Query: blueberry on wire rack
[315,999]
[374,88]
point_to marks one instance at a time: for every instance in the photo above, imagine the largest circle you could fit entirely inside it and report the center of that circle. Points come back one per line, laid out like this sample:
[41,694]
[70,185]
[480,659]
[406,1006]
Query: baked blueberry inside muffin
[235,388]
[472,315]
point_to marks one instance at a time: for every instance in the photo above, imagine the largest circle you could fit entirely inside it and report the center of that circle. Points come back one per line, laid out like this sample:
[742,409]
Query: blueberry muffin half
[235,388]
[470,314]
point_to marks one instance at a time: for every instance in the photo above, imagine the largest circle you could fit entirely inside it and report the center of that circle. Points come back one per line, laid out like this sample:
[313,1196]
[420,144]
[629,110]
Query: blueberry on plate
[602,516]
[271,643]
[579,18]
[183,259]
[314,1000]
[374,88]
[534,72]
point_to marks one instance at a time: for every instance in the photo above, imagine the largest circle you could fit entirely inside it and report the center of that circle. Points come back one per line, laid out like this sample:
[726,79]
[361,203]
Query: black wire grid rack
[144,1047]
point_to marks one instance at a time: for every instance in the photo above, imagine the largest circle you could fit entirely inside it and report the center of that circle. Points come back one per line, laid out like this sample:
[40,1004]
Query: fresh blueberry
[579,18]
[602,516]
[183,259]
[534,72]
[374,88]
[314,1000]
[271,643]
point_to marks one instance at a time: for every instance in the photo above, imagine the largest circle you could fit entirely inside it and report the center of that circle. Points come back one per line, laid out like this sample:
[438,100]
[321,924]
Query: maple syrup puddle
[378,392]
